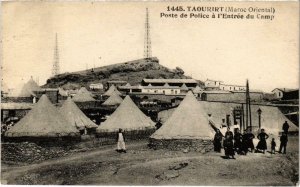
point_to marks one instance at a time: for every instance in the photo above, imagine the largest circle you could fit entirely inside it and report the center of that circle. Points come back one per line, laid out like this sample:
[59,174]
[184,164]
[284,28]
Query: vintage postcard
[150,93]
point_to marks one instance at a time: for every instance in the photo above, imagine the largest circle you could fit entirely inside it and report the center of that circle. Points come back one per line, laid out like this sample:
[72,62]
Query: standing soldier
[273,146]
[285,127]
[249,139]
[228,144]
[238,141]
[283,142]
[244,146]
[218,141]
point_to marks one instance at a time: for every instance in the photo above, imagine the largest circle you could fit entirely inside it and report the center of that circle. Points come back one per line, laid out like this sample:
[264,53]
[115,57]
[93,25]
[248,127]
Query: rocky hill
[132,72]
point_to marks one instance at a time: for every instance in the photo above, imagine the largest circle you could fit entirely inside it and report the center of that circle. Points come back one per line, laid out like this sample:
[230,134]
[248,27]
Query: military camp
[150,93]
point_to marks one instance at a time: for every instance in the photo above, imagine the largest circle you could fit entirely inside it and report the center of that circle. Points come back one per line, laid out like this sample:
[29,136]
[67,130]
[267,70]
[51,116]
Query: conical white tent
[29,88]
[127,117]
[83,95]
[75,116]
[84,90]
[114,99]
[188,121]
[43,120]
[111,90]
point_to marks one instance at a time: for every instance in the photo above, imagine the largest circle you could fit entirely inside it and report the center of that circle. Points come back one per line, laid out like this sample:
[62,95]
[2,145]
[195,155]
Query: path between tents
[9,172]
[145,164]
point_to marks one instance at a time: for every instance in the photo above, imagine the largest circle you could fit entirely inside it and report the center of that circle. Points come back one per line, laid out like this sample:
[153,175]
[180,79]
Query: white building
[228,87]
[165,90]
[212,84]
[219,85]
[96,86]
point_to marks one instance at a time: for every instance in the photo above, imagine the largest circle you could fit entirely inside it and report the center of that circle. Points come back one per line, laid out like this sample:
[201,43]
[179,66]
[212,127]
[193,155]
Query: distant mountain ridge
[132,71]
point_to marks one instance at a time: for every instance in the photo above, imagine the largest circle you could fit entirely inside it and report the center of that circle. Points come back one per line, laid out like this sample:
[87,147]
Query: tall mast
[147,42]
[55,68]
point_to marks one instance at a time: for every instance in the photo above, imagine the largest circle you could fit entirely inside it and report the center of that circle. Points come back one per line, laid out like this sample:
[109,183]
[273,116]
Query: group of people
[243,143]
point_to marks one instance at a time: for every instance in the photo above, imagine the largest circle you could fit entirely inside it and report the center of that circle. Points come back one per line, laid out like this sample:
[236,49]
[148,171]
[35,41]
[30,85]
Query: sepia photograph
[150,93]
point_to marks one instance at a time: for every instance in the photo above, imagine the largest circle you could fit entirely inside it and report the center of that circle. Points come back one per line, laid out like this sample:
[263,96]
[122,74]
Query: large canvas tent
[271,117]
[43,121]
[110,91]
[127,117]
[188,121]
[187,127]
[75,116]
[113,100]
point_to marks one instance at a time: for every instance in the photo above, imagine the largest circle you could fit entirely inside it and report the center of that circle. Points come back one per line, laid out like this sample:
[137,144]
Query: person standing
[262,144]
[249,139]
[238,141]
[285,127]
[244,147]
[218,141]
[273,146]
[228,144]
[121,142]
[283,142]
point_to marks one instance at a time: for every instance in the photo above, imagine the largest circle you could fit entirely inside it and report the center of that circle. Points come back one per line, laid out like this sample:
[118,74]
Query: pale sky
[266,52]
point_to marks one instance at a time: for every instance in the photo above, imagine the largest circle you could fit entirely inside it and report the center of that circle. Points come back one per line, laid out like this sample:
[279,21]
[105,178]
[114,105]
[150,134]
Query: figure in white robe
[121,142]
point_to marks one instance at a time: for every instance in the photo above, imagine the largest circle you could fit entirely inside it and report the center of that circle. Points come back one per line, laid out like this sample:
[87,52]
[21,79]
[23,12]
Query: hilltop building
[162,86]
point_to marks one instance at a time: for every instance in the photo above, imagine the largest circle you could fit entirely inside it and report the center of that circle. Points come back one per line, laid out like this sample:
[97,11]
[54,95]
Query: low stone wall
[28,152]
[109,138]
[45,141]
[182,144]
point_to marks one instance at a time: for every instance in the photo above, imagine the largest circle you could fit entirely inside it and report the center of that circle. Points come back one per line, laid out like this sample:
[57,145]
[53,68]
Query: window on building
[175,91]
[164,91]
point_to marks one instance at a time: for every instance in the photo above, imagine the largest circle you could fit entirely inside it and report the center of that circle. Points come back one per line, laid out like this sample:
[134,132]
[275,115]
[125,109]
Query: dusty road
[141,166]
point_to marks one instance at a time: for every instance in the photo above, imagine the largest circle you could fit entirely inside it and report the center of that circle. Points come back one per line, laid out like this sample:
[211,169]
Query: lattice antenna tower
[147,42]
[55,68]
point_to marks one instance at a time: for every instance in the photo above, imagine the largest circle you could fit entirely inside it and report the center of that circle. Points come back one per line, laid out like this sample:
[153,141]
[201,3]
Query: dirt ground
[142,166]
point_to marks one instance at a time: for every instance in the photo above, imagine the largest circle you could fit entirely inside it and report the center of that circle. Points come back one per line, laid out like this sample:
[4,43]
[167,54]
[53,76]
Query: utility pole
[248,107]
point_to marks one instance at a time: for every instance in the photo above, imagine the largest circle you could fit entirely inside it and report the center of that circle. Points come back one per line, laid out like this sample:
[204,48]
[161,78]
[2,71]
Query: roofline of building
[232,85]
[186,81]
[282,89]
[213,80]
